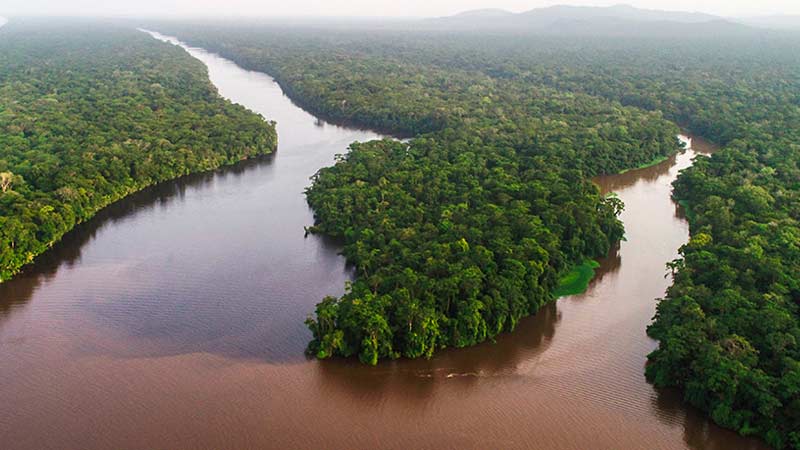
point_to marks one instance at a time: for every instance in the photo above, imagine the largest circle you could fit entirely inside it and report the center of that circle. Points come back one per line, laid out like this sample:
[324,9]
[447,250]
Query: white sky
[365,7]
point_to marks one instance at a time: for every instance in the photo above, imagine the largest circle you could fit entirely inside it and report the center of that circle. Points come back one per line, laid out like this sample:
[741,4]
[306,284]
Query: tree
[6,179]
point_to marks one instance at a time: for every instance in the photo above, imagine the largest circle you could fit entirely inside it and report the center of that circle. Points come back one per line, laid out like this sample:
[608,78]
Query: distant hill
[588,20]
[619,12]
[489,13]
[773,22]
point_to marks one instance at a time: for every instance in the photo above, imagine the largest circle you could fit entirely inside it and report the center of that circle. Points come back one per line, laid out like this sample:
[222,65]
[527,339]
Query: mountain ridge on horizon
[618,10]
[620,19]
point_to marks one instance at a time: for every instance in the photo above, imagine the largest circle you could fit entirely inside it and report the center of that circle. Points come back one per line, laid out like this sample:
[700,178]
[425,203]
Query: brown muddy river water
[175,320]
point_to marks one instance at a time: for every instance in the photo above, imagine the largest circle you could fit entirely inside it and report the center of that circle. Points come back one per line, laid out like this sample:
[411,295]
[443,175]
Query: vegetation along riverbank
[467,228]
[90,113]
[510,128]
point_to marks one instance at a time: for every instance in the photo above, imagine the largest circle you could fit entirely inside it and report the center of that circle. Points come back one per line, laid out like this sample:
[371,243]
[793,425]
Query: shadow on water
[698,431]
[617,182]
[424,384]
[66,253]
[528,341]
[213,263]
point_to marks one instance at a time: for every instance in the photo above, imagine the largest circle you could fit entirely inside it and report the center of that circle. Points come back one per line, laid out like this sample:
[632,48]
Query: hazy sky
[365,7]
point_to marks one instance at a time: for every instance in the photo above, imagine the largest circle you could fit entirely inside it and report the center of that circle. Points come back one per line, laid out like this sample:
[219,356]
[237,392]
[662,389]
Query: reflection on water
[174,320]
[215,262]
[68,251]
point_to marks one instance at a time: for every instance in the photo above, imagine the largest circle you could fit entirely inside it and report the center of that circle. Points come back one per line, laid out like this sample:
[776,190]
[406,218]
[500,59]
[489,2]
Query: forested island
[92,112]
[467,228]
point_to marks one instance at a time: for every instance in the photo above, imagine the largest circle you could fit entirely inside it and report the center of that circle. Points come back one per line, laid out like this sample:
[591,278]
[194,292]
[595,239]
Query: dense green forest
[510,132]
[90,113]
[468,227]
[729,327]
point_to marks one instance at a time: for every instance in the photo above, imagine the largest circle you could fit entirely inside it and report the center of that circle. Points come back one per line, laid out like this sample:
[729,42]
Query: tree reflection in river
[67,252]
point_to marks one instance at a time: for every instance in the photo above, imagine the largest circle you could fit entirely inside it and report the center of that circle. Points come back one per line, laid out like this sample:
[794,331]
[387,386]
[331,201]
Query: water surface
[174,320]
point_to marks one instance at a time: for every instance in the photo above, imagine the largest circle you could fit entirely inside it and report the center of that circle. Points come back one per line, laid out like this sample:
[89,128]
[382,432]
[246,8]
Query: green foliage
[576,281]
[90,114]
[730,325]
[511,127]
[449,250]
[462,231]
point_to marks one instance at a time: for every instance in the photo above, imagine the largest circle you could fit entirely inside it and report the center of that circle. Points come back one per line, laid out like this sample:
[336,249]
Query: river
[174,319]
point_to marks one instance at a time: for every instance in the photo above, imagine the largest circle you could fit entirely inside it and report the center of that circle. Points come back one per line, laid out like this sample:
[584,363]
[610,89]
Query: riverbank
[471,124]
[652,163]
[576,280]
[70,165]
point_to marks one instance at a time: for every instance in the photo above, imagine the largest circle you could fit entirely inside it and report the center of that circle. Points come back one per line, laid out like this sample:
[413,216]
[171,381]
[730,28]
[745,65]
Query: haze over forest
[410,8]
